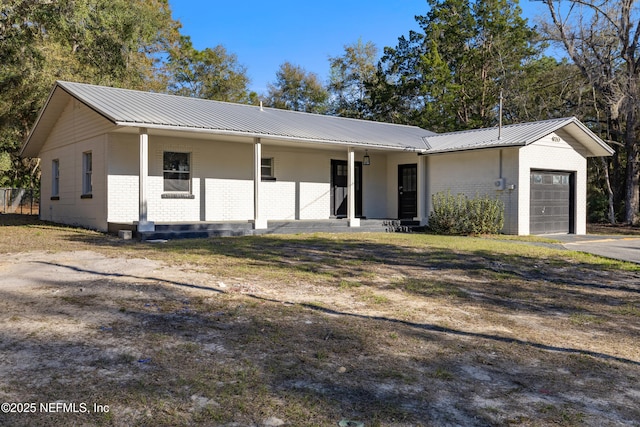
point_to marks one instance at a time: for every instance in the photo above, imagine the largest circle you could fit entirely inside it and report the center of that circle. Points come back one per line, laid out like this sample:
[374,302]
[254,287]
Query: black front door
[339,171]
[407,191]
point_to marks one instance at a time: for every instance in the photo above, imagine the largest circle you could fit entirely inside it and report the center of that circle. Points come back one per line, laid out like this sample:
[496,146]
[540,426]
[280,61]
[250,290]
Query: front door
[339,171]
[407,191]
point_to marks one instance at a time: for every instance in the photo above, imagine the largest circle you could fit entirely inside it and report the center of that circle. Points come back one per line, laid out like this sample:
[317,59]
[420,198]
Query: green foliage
[212,73]
[448,76]
[5,166]
[457,214]
[348,76]
[296,89]
[5,162]
[112,42]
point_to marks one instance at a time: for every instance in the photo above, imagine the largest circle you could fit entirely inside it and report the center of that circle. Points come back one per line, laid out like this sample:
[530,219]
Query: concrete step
[170,231]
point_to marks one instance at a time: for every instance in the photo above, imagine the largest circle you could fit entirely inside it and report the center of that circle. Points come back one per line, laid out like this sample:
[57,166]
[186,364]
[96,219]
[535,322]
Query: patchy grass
[385,329]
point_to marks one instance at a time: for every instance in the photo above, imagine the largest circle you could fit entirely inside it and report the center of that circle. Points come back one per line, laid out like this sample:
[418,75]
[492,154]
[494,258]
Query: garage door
[551,204]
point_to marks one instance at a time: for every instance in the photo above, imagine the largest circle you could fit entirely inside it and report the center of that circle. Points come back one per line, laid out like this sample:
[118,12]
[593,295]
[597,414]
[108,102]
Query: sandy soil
[82,327]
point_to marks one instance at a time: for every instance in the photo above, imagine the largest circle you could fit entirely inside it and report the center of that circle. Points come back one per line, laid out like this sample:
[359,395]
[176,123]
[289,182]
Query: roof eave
[226,132]
[27,149]
[488,147]
[599,148]
[594,145]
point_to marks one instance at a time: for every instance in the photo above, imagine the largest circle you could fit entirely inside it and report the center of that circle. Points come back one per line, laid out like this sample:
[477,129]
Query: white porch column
[143,223]
[351,189]
[422,214]
[258,221]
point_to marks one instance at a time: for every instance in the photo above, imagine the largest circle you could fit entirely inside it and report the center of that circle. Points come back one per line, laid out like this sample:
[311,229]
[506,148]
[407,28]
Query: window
[267,169]
[87,177]
[55,179]
[176,168]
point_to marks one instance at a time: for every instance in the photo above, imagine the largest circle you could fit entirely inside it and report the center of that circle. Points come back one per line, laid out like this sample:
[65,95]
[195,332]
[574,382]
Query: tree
[449,75]
[208,74]
[296,89]
[601,38]
[349,74]
[112,42]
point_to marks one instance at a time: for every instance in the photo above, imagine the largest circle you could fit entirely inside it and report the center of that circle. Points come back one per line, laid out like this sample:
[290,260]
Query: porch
[186,230]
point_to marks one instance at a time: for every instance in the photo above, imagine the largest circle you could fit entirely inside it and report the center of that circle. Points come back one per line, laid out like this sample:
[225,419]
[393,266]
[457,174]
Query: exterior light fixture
[366,160]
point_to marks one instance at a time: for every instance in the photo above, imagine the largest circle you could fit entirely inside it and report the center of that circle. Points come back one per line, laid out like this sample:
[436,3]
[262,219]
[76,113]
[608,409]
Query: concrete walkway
[625,248]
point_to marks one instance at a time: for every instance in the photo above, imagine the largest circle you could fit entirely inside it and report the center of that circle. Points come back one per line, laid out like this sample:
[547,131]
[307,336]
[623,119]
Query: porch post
[422,191]
[351,189]
[143,223]
[258,221]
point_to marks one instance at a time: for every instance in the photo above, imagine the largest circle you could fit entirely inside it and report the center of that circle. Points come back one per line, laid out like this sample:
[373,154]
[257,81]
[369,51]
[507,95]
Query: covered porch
[277,186]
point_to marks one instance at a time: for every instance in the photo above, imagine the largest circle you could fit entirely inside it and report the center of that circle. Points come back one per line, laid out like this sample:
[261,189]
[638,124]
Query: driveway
[625,248]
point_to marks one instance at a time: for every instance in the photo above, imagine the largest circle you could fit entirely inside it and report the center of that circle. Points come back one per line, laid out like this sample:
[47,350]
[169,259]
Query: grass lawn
[315,330]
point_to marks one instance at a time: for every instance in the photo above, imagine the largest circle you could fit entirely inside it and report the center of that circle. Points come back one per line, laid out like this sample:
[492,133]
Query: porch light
[366,160]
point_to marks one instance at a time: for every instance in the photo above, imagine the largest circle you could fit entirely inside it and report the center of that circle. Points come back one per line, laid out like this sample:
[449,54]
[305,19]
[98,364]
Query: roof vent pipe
[261,109]
[500,118]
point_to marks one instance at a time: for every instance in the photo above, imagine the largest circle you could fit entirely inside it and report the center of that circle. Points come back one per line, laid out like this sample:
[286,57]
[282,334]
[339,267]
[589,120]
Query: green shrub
[460,215]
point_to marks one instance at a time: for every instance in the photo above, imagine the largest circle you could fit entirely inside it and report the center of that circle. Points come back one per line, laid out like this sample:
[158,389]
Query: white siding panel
[71,208]
[77,123]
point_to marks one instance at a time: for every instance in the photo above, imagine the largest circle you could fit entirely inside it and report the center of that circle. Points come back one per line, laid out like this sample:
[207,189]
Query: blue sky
[264,34]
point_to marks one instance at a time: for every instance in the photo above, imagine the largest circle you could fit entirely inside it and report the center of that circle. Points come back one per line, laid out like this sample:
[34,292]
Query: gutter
[263,136]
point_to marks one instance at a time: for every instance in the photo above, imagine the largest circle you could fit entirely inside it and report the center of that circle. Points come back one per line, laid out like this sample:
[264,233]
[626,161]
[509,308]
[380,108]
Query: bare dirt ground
[318,330]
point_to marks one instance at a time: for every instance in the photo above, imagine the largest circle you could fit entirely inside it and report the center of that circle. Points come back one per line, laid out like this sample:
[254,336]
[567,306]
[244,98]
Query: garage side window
[87,174]
[176,172]
[55,179]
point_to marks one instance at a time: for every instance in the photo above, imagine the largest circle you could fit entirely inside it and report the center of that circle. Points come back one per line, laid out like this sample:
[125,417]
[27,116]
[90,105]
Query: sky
[264,34]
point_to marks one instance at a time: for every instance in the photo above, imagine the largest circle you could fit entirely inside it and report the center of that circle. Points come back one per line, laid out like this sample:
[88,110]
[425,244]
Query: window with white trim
[266,169]
[55,178]
[87,173]
[176,171]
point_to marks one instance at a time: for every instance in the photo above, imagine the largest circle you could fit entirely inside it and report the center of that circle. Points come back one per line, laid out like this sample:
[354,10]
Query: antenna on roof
[500,118]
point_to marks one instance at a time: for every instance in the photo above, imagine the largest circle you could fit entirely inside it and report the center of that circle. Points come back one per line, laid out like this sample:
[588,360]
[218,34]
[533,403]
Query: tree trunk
[607,181]
[632,189]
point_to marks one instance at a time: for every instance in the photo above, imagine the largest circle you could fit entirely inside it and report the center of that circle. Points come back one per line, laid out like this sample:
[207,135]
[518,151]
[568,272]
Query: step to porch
[197,230]
[170,231]
[340,226]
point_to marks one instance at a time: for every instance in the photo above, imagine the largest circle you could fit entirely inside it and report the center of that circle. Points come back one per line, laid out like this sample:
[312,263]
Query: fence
[19,201]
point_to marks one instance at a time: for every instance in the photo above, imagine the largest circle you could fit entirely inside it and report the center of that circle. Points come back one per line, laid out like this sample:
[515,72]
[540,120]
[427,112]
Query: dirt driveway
[389,334]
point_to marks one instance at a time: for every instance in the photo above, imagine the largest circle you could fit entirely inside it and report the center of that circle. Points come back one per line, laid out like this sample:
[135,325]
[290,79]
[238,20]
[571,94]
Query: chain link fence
[19,201]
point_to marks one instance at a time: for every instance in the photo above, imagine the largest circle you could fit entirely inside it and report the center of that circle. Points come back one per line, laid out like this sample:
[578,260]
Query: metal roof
[130,108]
[126,107]
[517,135]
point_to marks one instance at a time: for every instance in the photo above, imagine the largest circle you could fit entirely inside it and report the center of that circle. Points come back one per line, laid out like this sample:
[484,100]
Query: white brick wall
[222,181]
[474,173]
[228,199]
[315,200]
[123,198]
[278,199]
